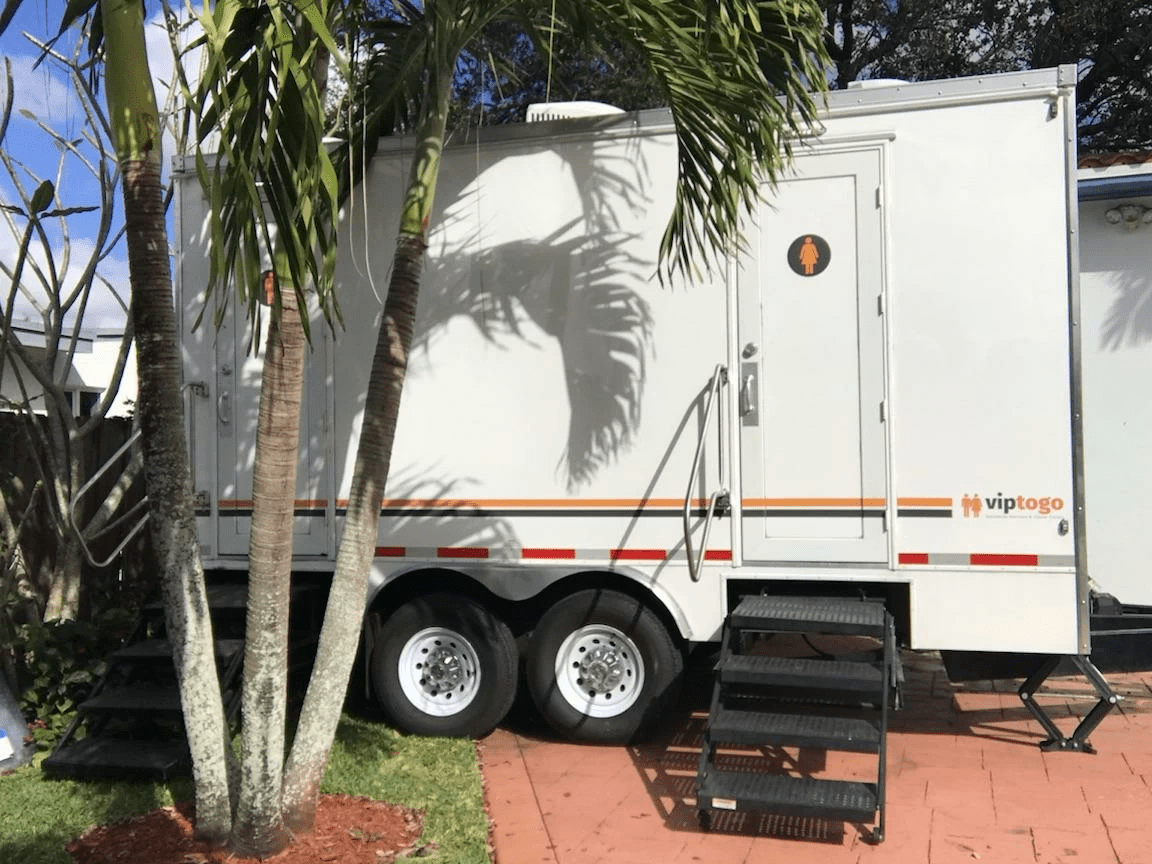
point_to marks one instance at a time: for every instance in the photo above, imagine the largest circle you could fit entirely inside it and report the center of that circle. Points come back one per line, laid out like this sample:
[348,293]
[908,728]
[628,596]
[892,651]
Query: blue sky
[46,94]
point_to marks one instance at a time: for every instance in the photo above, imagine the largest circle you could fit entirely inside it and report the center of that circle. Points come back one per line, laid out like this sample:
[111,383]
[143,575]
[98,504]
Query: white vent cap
[544,111]
[875,83]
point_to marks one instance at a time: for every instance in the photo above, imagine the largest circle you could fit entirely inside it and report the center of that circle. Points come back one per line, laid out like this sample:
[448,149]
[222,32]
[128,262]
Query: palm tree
[735,74]
[262,93]
[133,114]
[258,830]
[134,122]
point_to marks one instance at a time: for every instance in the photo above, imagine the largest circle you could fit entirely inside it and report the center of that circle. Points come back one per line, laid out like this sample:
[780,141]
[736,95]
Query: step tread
[222,596]
[803,673]
[809,615]
[139,698]
[739,726]
[800,796]
[161,649]
[98,757]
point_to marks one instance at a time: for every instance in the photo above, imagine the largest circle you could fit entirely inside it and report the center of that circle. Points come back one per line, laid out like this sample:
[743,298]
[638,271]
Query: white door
[238,371]
[811,380]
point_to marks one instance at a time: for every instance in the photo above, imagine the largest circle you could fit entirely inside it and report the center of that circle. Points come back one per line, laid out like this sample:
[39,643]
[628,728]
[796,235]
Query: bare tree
[54,282]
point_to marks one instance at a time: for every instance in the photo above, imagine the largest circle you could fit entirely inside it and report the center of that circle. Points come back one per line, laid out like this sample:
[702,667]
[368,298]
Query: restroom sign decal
[809,255]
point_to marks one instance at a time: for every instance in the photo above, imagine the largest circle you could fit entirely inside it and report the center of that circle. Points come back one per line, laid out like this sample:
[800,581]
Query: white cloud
[43,90]
[103,310]
[162,64]
[47,93]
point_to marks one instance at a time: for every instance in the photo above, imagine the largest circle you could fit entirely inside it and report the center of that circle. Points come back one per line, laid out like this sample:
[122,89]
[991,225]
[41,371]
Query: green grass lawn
[441,776]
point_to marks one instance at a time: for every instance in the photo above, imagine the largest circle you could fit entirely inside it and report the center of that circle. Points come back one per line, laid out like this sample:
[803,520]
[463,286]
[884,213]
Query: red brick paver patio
[966,783]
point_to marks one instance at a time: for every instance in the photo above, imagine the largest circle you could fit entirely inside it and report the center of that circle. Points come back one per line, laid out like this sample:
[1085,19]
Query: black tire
[618,667]
[444,665]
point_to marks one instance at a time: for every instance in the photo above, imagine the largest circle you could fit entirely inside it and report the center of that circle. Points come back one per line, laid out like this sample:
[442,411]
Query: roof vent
[544,111]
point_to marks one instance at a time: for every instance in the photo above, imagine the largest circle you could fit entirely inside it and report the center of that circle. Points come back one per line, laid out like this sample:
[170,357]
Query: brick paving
[966,783]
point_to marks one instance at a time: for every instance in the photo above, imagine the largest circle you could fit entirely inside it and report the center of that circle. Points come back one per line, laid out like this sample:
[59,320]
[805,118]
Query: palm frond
[272,188]
[739,77]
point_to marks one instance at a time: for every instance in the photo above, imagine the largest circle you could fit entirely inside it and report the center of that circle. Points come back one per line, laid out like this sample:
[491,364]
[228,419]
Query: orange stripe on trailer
[548,553]
[637,554]
[247,503]
[814,502]
[994,560]
[531,503]
[912,558]
[924,502]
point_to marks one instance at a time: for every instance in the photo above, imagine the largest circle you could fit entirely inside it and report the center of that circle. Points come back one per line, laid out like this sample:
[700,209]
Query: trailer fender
[517,583]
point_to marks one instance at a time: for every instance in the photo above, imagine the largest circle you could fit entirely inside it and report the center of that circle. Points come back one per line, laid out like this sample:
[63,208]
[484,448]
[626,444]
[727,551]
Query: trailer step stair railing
[827,704]
[718,501]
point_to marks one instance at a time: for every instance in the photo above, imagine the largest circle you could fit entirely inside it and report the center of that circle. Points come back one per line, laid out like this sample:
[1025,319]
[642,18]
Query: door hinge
[880,304]
[879,203]
[883,410]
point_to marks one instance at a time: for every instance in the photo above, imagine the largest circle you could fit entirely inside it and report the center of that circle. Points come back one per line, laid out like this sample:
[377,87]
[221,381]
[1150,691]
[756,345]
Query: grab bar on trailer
[719,378]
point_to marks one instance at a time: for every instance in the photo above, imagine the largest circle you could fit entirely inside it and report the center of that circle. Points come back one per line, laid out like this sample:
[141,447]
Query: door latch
[750,394]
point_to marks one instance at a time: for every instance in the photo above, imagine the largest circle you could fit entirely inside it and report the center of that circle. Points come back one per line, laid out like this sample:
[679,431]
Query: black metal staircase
[809,703]
[131,726]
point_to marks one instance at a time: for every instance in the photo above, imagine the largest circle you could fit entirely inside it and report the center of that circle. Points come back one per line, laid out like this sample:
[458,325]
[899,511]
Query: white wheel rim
[599,671]
[439,672]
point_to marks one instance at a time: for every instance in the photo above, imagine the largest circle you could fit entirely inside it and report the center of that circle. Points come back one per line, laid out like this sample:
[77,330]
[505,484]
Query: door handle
[224,407]
[749,394]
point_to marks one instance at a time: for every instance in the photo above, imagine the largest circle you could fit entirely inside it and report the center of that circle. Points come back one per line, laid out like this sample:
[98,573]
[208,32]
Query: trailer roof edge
[1105,188]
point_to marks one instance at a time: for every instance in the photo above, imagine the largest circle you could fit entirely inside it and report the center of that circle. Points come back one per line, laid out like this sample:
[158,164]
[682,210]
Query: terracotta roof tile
[1106,160]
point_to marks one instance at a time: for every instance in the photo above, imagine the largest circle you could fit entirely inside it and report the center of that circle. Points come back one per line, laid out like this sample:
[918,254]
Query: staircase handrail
[719,378]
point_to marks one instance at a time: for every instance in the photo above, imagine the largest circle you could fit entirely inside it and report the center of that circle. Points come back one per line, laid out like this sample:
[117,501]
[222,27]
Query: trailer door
[811,383]
[238,374]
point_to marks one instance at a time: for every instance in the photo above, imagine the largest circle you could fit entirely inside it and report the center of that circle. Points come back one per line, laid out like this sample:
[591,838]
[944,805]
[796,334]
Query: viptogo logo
[975,506]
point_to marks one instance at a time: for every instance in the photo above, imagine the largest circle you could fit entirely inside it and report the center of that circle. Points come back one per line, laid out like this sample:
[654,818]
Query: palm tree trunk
[137,136]
[258,831]
[347,598]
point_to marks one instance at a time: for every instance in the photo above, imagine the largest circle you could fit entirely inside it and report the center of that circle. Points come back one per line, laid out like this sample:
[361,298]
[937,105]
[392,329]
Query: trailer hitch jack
[1078,741]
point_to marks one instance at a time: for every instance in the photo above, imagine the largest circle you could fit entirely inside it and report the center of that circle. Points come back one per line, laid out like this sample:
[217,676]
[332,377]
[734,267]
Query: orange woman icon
[809,256]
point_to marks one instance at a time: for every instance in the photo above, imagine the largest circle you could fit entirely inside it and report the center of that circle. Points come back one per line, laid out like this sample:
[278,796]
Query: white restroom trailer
[879,396]
[1116,315]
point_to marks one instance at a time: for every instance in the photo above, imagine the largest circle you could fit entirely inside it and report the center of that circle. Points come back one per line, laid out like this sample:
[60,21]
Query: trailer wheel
[444,665]
[602,666]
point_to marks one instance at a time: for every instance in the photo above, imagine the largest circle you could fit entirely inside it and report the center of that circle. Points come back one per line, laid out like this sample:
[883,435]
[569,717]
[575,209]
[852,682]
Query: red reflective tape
[462,552]
[990,560]
[637,554]
[547,553]
[391,551]
[718,555]
[912,558]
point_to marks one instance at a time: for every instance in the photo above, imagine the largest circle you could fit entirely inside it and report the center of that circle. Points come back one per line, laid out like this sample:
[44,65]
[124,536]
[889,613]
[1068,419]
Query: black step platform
[850,734]
[820,702]
[160,650]
[827,615]
[826,677]
[790,796]
[120,758]
[126,698]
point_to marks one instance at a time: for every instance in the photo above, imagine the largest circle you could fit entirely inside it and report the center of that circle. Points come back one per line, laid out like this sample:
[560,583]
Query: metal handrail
[143,502]
[197,388]
[719,377]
